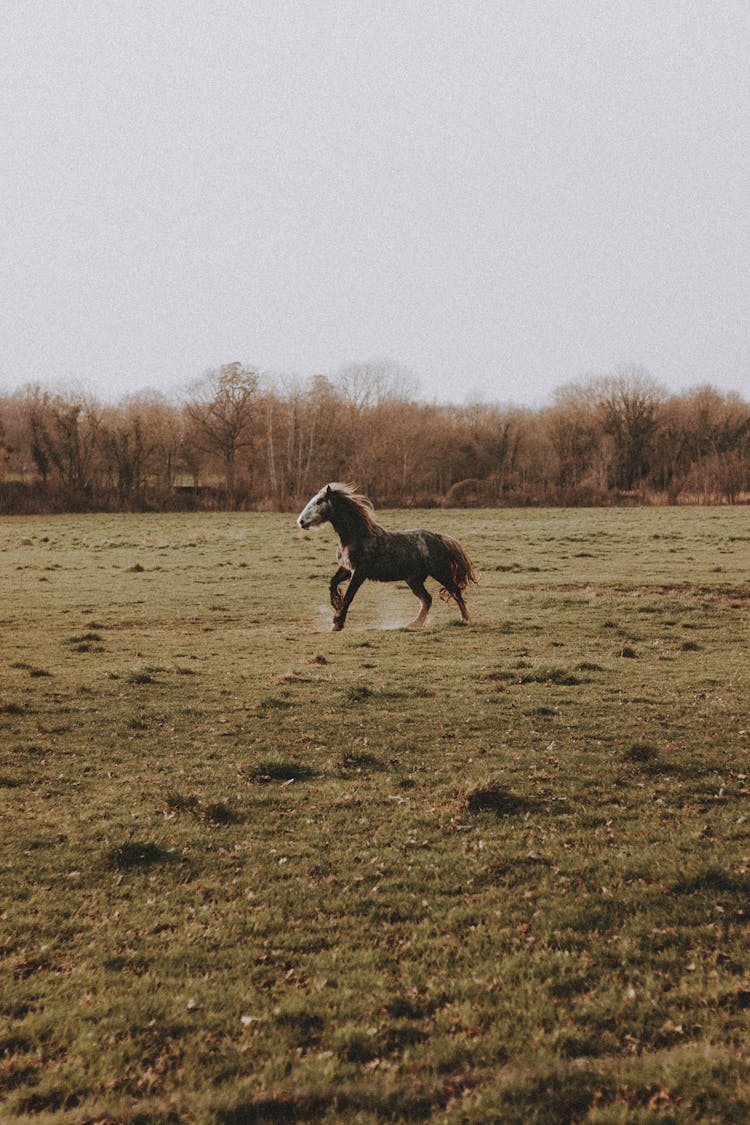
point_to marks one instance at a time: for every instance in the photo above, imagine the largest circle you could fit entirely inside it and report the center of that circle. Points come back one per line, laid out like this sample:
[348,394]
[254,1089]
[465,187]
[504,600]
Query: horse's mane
[354,506]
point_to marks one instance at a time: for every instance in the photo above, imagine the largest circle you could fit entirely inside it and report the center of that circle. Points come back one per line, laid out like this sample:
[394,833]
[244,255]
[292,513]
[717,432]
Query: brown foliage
[239,441]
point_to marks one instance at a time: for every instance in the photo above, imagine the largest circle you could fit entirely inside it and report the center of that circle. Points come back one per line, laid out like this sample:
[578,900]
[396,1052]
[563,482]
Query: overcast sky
[501,196]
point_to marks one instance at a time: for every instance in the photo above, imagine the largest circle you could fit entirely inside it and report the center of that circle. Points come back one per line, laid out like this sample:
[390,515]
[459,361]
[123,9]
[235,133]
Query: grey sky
[500,195]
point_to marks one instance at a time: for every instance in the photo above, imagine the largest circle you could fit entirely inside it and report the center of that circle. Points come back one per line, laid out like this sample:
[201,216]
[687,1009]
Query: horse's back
[415,553]
[396,555]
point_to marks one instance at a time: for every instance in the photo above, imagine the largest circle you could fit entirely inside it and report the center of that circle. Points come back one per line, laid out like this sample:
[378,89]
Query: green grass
[256,871]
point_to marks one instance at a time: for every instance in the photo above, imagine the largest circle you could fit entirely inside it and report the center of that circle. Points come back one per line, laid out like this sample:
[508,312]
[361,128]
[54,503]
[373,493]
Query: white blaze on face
[315,512]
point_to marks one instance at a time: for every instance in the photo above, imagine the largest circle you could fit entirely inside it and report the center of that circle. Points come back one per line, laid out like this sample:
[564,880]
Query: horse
[367,550]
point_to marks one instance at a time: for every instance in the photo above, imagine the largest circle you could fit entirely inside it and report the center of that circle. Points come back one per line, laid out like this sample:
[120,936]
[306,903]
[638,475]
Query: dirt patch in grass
[12,708]
[280,770]
[361,763]
[644,753]
[712,878]
[553,675]
[137,854]
[494,797]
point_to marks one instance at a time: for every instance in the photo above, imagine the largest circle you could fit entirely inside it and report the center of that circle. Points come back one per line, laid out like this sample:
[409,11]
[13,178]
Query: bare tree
[575,431]
[64,433]
[223,412]
[366,385]
[126,452]
[629,402]
[162,425]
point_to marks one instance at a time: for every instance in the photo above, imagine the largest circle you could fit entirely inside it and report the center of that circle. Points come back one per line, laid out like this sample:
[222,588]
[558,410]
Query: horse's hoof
[336,627]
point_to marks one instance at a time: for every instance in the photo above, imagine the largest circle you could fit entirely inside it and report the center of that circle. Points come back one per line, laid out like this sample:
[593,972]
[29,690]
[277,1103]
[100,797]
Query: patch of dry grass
[253,870]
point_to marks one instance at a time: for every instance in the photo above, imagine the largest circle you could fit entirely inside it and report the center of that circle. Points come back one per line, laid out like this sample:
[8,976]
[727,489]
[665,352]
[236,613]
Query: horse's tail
[462,568]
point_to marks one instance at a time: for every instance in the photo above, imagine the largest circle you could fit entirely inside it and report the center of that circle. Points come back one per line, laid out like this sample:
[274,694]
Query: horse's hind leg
[336,599]
[417,587]
[455,592]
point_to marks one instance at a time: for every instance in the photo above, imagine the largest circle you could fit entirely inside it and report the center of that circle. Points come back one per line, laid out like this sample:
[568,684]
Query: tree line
[236,440]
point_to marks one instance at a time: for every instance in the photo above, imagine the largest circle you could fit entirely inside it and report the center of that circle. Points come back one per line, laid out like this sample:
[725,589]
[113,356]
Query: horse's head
[317,511]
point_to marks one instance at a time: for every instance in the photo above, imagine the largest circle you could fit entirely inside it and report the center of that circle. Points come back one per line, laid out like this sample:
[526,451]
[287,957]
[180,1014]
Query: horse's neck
[347,530]
[350,529]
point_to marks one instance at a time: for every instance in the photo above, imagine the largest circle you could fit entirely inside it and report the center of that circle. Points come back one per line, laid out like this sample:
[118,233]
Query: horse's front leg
[336,599]
[340,615]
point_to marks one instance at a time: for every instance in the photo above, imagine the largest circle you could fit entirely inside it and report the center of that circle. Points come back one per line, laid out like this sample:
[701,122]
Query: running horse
[367,550]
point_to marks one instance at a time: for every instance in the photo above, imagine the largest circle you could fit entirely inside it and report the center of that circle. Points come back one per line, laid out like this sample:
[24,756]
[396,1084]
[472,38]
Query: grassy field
[255,871]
